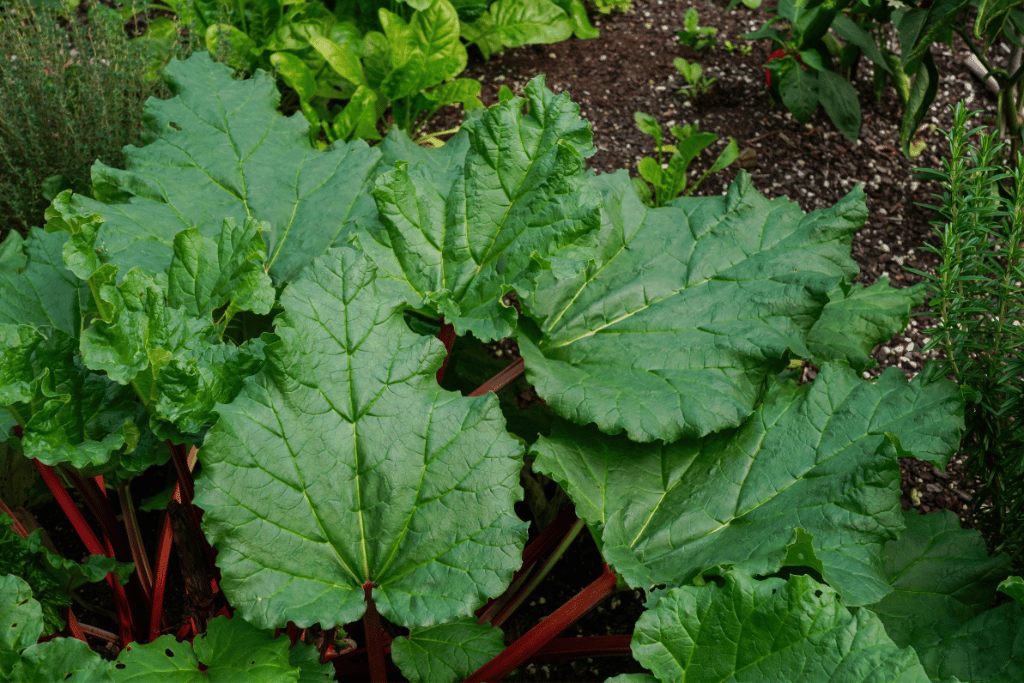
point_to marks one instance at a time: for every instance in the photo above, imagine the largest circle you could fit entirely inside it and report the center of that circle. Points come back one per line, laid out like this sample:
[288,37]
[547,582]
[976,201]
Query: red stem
[73,627]
[125,619]
[374,641]
[548,539]
[447,337]
[587,646]
[539,575]
[163,558]
[502,379]
[15,523]
[540,635]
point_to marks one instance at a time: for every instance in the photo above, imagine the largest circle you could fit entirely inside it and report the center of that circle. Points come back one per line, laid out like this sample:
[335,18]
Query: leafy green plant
[978,304]
[813,33]
[511,23]
[744,50]
[411,68]
[694,36]
[669,178]
[285,317]
[694,75]
[609,6]
[67,97]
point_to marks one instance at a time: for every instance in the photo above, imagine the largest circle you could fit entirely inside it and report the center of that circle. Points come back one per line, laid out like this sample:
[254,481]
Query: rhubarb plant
[284,316]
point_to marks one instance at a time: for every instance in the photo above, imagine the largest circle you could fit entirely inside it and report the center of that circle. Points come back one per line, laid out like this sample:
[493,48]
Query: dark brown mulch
[628,69]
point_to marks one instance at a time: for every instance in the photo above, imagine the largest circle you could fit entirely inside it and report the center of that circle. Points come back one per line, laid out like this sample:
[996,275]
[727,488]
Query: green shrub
[71,92]
[978,303]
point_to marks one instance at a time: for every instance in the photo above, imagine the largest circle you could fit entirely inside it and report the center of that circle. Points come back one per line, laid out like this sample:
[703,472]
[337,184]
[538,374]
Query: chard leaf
[943,582]
[357,460]
[511,23]
[447,652]
[22,660]
[821,457]
[217,150]
[689,308]
[230,650]
[854,322]
[424,52]
[770,630]
[464,238]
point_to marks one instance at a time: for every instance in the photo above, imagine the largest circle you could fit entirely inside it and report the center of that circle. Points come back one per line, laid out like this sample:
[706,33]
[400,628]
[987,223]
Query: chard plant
[290,318]
[977,302]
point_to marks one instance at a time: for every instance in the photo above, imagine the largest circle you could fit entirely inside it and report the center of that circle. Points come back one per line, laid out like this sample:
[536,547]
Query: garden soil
[629,69]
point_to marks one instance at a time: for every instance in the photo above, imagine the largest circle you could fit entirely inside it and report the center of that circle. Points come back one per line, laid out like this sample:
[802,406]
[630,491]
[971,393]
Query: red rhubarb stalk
[447,337]
[374,641]
[125,619]
[540,635]
[548,539]
[502,379]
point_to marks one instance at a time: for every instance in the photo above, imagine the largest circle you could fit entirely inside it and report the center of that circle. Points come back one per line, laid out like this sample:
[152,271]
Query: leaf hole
[120,665]
[168,652]
[817,594]
[174,125]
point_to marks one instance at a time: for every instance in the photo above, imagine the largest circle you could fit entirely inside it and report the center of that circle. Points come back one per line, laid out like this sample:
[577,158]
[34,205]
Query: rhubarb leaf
[230,650]
[520,204]
[22,660]
[989,648]
[942,577]
[943,582]
[156,332]
[216,150]
[821,457]
[346,453]
[205,275]
[447,652]
[769,630]
[689,308]
[35,287]
[854,322]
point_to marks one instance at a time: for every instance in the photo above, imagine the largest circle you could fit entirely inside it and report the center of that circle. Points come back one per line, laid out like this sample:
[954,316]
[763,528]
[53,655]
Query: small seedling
[694,75]
[670,179]
[699,38]
[744,50]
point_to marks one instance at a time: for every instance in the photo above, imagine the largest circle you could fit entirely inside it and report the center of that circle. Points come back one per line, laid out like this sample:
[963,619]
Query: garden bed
[629,69]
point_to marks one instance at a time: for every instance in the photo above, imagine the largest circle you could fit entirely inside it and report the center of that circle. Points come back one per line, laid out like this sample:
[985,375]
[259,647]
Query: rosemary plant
[978,304]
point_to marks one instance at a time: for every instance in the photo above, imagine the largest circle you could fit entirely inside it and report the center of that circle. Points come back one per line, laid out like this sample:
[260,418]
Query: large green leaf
[24,661]
[447,652]
[821,457]
[942,577]
[343,463]
[217,150]
[943,582]
[687,309]
[770,630]
[519,204]
[35,287]
[511,23]
[857,320]
[230,651]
